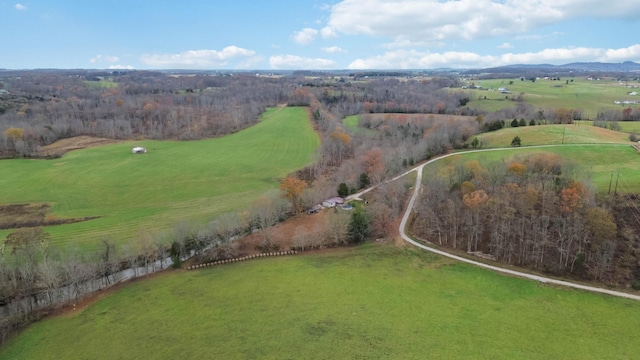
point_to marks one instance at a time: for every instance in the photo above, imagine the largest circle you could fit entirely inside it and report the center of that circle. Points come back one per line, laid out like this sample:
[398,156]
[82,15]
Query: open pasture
[596,163]
[102,84]
[625,126]
[588,96]
[374,302]
[175,181]
[579,133]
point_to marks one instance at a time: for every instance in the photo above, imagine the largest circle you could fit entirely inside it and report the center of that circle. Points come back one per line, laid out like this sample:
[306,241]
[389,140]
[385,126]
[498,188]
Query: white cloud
[333,50]
[20,7]
[505,46]
[305,36]
[539,37]
[292,62]
[436,20]
[100,58]
[121,67]
[328,32]
[199,59]
[413,59]
[631,53]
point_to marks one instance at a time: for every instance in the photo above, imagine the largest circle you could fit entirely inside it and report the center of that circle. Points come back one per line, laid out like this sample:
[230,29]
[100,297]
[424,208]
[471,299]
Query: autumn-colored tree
[476,170]
[569,200]
[340,135]
[600,223]
[374,164]
[14,133]
[292,188]
[517,169]
[564,116]
[474,199]
[467,187]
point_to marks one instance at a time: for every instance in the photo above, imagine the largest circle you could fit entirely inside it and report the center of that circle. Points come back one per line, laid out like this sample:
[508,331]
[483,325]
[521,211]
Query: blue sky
[332,34]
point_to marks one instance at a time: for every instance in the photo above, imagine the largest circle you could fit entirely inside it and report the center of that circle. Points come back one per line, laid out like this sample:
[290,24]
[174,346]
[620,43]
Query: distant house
[329,203]
[138,150]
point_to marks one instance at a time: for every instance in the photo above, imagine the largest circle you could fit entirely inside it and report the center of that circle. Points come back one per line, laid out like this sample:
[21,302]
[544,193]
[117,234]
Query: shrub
[343,190]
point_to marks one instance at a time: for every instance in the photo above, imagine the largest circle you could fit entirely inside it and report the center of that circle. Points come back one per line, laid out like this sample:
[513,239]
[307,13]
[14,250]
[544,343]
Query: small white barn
[139,150]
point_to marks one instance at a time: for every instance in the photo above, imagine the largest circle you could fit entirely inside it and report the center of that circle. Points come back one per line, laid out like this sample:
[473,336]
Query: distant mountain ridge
[627,66]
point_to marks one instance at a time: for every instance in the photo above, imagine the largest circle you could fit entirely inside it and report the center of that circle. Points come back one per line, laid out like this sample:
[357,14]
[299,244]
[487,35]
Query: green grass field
[369,302]
[589,96]
[553,134]
[352,123]
[595,163]
[175,181]
[625,126]
[605,153]
[102,84]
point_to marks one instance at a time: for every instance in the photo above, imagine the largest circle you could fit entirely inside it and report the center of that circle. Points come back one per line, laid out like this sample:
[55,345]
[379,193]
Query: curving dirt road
[543,279]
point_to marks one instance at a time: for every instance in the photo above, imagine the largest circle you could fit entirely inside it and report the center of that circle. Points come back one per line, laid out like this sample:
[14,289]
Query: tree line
[536,211]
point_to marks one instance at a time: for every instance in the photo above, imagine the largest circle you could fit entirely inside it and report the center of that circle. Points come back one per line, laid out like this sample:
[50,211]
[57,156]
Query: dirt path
[63,146]
[542,279]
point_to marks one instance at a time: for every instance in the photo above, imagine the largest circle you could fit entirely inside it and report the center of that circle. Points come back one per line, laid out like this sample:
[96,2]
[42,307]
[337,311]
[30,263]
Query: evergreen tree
[516,141]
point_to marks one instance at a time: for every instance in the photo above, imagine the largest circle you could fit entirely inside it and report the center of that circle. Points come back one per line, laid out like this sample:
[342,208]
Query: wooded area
[535,212]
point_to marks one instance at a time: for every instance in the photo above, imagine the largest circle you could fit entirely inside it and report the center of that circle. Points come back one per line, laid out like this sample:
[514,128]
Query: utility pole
[563,130]
[616,189]
[610,181]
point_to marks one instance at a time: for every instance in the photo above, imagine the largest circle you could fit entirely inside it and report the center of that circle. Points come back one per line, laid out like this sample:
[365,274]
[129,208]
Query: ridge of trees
[535,212]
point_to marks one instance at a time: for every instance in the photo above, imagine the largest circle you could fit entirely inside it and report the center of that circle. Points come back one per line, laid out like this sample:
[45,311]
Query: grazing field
[625,126]
[374,302]
[595,163]
[589,96]
[175,181]
[553,134]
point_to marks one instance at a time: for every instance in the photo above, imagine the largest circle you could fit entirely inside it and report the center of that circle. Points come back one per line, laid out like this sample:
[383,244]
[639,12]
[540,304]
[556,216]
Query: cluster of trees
[532,212]
[50,106]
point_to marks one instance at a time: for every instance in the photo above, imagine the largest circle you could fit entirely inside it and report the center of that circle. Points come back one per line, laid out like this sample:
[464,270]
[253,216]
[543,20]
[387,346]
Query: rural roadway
[414,197]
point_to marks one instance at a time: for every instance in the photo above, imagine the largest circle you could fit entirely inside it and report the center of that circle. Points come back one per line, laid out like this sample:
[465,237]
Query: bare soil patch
[282,233]
[63,146]
[14,216]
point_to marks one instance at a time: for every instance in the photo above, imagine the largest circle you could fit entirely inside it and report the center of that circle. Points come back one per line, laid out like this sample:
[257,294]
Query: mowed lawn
[370,302]
[175,181]
[588,96]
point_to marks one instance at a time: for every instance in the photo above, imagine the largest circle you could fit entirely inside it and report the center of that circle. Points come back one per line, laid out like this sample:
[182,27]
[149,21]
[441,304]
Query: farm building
[139,150]
[332,202]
